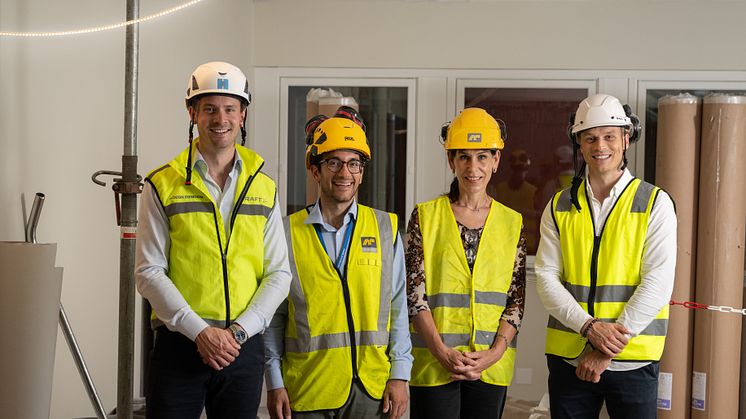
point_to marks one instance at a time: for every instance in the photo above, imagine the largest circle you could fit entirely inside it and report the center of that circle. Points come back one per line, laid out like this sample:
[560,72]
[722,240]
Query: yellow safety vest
[217,275]
[602,272]
[338,325]
[466,306]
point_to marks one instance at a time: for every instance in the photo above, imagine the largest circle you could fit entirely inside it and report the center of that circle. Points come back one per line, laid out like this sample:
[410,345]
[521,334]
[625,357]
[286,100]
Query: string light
[100,28]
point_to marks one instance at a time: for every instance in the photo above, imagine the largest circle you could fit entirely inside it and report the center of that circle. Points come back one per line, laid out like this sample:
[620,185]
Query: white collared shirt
[658,267]
[151,260]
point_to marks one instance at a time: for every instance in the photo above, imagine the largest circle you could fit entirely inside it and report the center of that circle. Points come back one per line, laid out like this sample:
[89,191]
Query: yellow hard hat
[473,128]
[337,134]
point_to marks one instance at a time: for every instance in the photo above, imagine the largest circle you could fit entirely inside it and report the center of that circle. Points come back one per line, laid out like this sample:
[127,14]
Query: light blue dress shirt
[400,344]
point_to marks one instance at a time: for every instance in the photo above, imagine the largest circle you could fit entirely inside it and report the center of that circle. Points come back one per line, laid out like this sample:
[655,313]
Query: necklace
[485,204]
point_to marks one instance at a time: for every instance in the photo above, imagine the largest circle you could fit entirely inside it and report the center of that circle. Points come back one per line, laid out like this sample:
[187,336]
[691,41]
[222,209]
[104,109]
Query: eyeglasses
[335,165]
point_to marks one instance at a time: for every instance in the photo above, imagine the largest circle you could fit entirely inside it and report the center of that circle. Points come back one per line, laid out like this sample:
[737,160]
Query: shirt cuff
[192,326]
[400,370]
[273,377]
[251,322]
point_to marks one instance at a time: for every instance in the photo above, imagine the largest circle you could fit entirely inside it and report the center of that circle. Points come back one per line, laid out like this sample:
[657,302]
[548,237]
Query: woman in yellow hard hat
[466,259]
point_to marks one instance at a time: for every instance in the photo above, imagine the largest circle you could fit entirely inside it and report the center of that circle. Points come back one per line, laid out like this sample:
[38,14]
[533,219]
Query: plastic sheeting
[677,172]
[720,257]
[30,288]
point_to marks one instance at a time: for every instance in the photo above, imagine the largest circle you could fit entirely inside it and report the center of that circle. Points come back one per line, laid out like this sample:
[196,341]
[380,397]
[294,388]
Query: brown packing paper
[720,257]
[677,172]
[30,288]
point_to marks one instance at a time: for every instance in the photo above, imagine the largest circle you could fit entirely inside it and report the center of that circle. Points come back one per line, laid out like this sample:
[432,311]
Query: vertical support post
[126,344]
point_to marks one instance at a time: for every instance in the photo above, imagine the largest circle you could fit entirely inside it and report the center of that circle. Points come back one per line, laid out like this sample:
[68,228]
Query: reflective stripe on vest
[466,306]
[338,325]
[602,272]
[216,275]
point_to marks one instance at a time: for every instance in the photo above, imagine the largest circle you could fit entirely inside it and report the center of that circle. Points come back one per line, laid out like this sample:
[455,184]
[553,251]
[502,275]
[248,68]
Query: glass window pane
[384,111]
[537,159]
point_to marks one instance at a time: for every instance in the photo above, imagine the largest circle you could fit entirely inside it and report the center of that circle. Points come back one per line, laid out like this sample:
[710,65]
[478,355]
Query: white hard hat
[600,111]
[218,77]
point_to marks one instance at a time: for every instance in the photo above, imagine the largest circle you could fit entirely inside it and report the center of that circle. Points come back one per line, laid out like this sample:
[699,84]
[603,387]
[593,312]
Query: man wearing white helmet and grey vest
[211,259]
[605,272]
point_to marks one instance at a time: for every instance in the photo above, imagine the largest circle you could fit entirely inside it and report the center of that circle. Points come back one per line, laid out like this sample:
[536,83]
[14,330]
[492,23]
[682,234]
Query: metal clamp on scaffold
[120,187]
[722,309]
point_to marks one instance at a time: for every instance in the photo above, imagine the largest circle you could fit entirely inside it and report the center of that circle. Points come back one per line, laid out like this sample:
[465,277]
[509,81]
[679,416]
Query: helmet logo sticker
[223,84]
[348,138]
[474,137]
[369,244]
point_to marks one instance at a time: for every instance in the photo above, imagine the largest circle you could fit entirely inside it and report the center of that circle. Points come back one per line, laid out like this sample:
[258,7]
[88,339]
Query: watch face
[239,334]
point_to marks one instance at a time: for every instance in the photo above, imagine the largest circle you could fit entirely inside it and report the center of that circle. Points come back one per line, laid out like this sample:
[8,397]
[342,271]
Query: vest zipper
[348,306]
[594,274]
[350,325]
[224,254]
[597,248]
[224,266]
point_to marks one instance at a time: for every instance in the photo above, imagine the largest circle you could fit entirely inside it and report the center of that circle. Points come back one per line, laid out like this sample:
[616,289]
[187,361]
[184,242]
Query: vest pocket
[368,262]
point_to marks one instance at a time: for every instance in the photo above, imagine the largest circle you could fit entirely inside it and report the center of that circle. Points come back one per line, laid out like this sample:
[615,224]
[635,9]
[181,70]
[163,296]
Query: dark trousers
[181,385]
[458,399]
[628,394]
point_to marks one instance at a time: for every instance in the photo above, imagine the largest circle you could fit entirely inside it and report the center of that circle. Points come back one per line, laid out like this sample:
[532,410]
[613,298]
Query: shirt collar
[201,165]
[315,216]
[618,187]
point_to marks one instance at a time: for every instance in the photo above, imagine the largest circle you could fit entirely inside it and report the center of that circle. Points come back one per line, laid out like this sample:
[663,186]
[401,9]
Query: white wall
[62,117]
[486,34]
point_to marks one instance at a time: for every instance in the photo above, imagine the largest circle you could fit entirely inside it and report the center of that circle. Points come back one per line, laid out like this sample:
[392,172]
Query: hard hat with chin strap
[601,110]
[218,78]
[337,133]
[473,128]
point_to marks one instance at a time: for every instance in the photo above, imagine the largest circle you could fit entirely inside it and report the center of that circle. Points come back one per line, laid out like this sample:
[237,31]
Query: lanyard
[345,243]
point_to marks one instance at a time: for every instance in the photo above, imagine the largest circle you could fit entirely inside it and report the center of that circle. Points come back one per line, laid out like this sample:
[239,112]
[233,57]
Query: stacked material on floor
[30,288]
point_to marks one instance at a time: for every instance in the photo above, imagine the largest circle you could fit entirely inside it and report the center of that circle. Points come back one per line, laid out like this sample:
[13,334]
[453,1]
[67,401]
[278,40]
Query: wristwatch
[238,333]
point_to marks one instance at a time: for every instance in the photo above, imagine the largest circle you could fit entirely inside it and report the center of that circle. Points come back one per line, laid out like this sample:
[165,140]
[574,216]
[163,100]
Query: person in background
[561,178]
[211,259]
[605,272]
[518,194]
[339,347]
[466,260]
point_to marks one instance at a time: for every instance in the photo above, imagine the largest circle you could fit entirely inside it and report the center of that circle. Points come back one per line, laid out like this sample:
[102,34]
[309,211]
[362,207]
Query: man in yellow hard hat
[211,259]
[340,345]
[605,271]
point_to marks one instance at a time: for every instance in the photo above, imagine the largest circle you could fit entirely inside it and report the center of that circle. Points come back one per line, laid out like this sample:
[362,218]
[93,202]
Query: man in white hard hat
[211,259]
[605,271]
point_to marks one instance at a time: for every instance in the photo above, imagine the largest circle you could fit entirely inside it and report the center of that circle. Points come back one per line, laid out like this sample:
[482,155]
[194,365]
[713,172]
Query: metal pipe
[33,218]
[72,343]
[126,345]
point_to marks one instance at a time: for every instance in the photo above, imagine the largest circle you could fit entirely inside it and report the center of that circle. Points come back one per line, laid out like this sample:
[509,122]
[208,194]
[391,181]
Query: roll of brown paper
[677,172]
[720,257]
[30,288]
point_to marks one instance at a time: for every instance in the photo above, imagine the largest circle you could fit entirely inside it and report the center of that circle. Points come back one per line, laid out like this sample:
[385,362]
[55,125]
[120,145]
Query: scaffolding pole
[128,188]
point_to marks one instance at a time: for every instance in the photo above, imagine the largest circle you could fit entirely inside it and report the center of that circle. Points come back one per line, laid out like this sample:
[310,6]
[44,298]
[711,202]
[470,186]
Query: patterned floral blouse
[416,296]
